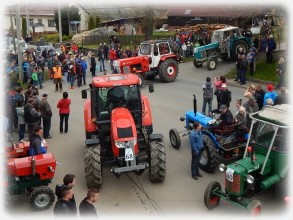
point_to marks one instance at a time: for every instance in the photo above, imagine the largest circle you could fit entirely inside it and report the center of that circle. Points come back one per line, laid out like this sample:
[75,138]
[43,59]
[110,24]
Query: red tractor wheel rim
[256,211]
[214,199]
[171,70]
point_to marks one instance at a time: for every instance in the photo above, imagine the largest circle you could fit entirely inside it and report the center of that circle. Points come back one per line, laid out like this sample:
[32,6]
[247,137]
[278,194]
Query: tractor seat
[225,130]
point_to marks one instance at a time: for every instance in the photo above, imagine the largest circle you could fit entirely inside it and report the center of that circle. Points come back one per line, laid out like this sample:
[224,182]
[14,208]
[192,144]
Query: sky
[100,3]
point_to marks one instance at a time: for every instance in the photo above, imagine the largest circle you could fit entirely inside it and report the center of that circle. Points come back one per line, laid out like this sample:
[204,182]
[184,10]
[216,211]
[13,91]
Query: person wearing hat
[271,46]
[225,118]
[270,94]
[46,114]
[224,96]
[57,74]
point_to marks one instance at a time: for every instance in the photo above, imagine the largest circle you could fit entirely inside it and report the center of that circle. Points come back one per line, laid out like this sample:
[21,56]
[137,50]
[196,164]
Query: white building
[41,18]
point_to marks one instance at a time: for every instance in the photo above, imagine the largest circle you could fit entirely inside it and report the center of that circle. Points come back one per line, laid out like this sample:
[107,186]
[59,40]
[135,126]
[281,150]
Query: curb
[249,81]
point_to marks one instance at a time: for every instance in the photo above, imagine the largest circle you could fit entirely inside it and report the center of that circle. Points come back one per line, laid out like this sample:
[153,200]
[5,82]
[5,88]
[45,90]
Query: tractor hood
[199,117]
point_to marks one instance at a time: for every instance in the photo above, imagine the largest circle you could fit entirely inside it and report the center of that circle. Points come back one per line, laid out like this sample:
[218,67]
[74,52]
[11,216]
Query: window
[40,21]
[31,22]
[51,23]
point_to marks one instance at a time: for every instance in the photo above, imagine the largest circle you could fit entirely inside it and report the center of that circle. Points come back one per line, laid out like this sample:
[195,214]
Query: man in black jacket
[224,96]
[36,142]
[31,116]
[46,114]
[63,206]
[86,207]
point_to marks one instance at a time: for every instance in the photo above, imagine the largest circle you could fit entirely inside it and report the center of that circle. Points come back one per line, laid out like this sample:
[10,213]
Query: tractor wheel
[236,46]
[208,159]
[42,197]
[211,201]
[175,138]
[168,70]
[157,170]
[254,207]
[212,63]
[93,167]
[197,64]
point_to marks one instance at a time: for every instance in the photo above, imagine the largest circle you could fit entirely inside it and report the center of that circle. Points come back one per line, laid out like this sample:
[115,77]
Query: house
[41,18]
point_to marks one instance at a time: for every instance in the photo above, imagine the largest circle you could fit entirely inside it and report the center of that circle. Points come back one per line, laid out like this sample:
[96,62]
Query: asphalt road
[130,195]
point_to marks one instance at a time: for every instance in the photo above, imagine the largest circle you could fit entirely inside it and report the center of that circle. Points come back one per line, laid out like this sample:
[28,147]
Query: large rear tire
[211,200]
[208,159]
[175,138]
[157,170]
[93,167]
[237,45]
[168,70]
[42,197]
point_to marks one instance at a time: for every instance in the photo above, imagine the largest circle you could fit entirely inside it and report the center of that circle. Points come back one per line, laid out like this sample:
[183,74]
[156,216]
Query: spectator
[281,70]
[86,207]
[243,69]
[63,206]
[68,181]
[64,111]
[259,95]
[224,96]
[249,91]
[269,101]
[196,144]
[93,65]
[271,46]
[102,58]
[36,143]
[207,95]
[20,115]
[40,74]
[251,106]
[35,77]
[238,104]
[270,94]
[31,116]
[57,72]
[112,57]
[240,120]
[283,97]
[251,57]
[46,114]
[83,68]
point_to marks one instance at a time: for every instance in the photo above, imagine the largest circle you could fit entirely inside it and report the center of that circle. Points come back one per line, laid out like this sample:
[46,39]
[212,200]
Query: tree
[91,24]
[67,14]
[98,21]
[149,23]
[24,27]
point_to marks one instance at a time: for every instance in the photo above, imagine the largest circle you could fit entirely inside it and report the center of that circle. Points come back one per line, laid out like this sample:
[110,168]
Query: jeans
[102,65]
[65,77]
[205,102]
[71,79]
[21,131]
[83,77]
[41,82]
[194,163]
[64,118]
[46,126]
[243,76]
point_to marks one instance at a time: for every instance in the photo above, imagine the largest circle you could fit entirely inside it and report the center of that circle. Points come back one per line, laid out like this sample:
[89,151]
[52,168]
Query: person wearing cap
[46,114]
[224,96]
[270,94]
[225,118]
[57,74]
[271,46]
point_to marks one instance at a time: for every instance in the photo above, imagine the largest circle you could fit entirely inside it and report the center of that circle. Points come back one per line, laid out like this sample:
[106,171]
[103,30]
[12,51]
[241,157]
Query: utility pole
[11,30]
[59,23]
[27,20]
[19,52]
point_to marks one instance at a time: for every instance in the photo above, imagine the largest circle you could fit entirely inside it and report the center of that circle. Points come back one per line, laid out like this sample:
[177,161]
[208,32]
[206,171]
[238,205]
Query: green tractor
[264,165]
[225,44]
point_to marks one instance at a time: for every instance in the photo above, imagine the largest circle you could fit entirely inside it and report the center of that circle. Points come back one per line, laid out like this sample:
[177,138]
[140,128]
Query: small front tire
[175,138]
[211,200]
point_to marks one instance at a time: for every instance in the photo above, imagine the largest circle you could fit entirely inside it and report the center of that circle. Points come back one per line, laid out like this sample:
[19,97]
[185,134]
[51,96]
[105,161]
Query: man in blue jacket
[196,144]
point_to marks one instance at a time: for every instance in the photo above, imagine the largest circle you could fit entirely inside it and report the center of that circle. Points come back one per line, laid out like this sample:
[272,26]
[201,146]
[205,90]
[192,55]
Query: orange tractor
[119,130]
[31,174]
[155,58]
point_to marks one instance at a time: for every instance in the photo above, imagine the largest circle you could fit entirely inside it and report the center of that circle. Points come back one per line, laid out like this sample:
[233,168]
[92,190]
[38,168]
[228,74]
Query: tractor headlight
[222,167]
[250,179]
[120,144]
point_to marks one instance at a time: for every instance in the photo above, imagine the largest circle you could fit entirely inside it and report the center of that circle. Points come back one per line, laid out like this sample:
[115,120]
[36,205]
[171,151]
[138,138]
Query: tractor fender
[168,56]
[146,109]
[213,138]
[90,142]
[89,125]
[139,72]
[156,137]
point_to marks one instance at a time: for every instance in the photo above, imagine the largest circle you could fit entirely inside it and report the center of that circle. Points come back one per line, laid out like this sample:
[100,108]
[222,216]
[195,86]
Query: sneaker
[195,177]
[49,137]
[199,175]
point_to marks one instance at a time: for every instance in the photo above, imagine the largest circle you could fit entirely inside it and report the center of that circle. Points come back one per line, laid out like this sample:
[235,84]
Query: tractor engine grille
[233,186]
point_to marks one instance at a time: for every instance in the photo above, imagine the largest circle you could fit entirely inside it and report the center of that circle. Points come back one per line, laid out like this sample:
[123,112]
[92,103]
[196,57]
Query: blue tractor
[220,145]
[225,44]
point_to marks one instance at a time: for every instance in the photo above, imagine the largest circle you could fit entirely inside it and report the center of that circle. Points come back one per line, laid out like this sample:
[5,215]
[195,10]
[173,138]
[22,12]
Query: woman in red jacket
[64,110]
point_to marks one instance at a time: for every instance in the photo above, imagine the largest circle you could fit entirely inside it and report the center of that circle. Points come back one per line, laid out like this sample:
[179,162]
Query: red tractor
[155,58]
[119,130]
[30,174]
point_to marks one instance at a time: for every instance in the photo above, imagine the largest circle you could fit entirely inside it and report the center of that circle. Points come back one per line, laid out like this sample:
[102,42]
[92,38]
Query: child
[35,77]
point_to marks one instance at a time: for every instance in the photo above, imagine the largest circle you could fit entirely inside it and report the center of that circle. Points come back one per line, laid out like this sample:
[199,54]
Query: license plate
[229,174]
[129,154]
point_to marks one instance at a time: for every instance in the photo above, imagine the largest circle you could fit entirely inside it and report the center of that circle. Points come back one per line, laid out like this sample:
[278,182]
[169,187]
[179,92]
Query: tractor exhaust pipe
[194,105]
[33,166]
